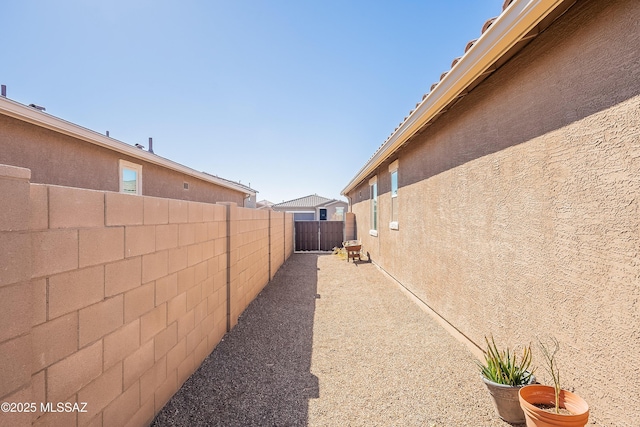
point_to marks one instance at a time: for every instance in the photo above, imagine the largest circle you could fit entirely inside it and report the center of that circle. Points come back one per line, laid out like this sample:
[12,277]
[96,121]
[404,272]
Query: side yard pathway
[331,343]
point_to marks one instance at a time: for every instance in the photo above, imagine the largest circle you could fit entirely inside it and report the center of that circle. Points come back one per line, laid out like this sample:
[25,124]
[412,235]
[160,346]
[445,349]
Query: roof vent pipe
[150,145]
[3,91]
[107,133]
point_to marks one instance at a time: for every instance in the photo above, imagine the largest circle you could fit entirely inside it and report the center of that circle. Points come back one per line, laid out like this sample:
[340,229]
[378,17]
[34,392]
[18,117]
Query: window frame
[393,169]
[125,165]
[373,200]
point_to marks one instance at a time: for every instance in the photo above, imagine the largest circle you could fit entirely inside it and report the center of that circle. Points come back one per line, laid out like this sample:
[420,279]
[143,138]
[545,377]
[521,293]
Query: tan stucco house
[62,153]
[507,201]
[313,208]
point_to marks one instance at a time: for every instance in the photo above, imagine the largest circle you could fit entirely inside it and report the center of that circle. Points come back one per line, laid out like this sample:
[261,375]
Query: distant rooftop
[311,201]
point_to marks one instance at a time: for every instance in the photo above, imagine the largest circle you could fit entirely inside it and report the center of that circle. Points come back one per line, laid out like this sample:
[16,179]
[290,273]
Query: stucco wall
[519,207]
[114,300]
[58,159]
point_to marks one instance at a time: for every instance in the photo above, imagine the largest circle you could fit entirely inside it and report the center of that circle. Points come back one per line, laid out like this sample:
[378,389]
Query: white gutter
[507,30]
[21,112]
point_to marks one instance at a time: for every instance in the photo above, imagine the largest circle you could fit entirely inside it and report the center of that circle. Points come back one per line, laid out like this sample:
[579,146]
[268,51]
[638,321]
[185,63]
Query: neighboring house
[62,153]
[264,204]
[507,201]
[313,208]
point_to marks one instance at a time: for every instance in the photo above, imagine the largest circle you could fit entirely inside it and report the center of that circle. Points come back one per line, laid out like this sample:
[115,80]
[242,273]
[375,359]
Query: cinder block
[69,375]
[186,279]
[58,419]
[153,322]
[99,319]
[15,364]
[100,392]
[123,407]
[186,368]
[167,389]
[194,296]
[15,310]
[194,254]
[140,240]
[122,276]
[52,251]
[39,207]
[75,290]
[186,234]
[39,306]
[201,351]
[54,340]
[208,212]
[166,288]
[201,232]
[138,363]
[154,266]
[15,202]
[152,379]
[138,301]
[201,272]
[178,211]
[75,207]
[193,338]
[200,312]
[166,236]
[38,391]
[165,340]
[195,212]
[15,262]
[176,307]
[208,248]
[156,210]
[176,355]
[18,419]
[144,416]
[177,259]
[185,324]
[101,245]
[124,209]
[121,343]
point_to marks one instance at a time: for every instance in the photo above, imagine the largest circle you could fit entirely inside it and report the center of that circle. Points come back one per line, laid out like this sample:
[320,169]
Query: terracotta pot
[505,400]
[542,394]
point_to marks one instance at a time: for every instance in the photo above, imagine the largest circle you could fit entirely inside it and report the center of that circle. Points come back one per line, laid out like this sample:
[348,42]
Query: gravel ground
[331,343]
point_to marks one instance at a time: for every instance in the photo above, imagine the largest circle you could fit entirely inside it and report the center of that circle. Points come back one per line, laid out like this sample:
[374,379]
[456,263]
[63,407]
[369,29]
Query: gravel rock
[331,343]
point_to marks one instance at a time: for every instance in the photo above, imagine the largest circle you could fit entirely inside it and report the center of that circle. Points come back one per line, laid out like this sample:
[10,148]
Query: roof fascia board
[507,30]
[30,115]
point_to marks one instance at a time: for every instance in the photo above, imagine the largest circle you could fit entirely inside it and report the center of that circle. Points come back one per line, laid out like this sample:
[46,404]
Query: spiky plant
[505,367]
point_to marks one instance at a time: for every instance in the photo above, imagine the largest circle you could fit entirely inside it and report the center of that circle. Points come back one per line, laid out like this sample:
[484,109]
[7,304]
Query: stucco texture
[519,207]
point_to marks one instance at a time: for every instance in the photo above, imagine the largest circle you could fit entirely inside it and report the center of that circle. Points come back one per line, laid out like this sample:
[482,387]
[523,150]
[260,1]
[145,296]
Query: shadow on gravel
[259,374]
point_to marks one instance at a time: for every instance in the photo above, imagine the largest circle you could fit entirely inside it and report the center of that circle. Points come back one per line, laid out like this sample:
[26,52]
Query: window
[339,215]
[130,177]
[393,170]
[323,214]
[373,192]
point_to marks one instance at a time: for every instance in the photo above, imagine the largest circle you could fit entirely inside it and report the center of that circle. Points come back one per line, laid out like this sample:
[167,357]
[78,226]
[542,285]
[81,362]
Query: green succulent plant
[505,367]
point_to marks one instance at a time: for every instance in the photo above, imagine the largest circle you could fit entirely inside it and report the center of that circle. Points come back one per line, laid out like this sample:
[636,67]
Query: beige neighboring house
[508,201]
[62,153]
[314,208]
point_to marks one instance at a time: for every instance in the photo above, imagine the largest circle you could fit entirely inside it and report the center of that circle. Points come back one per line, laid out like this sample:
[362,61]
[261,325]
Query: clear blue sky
[292,97]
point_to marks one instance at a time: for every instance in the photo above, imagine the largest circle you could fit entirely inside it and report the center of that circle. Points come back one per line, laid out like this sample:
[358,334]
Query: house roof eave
[515,24]
[35,117]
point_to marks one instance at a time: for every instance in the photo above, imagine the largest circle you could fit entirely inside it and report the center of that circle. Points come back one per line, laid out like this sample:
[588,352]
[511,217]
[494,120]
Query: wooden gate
[318,235]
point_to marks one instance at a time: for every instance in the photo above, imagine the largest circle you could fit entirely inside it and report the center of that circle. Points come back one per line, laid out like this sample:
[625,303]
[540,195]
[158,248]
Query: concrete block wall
[115,300]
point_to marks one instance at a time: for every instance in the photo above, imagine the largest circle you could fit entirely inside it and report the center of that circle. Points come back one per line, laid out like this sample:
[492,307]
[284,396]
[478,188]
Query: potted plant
[504,374]
[546,406]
